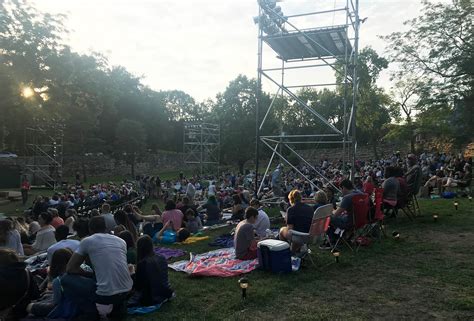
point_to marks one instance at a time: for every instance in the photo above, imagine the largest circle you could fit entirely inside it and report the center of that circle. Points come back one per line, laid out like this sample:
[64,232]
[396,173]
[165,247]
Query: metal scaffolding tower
[309,51]
[44,145]
[202,145]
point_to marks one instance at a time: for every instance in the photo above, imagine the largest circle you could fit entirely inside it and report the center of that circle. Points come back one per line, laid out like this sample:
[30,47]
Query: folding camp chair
[319,226]
[376,222]
[360,214]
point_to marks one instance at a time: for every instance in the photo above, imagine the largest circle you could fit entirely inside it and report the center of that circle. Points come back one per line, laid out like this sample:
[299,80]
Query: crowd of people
[106,261]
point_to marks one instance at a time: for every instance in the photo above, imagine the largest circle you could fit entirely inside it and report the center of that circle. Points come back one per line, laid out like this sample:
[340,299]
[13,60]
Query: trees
[373,104]
[235,112]
[438,50]
[130,141]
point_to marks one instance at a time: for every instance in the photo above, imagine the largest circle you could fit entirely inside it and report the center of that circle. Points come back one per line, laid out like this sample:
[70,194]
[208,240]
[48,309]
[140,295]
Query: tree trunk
[241,166]
[133,166]
[84,172]
[412,144]
[374,149]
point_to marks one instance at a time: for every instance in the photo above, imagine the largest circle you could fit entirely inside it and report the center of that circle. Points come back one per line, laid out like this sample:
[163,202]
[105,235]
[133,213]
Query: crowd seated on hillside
[83,199]
[106,261]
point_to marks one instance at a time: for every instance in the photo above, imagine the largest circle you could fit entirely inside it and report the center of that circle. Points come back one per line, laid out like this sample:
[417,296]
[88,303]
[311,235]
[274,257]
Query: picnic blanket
[194,239]
[37,262]
[169,253]
[220,262]
[223,241]
[143,310]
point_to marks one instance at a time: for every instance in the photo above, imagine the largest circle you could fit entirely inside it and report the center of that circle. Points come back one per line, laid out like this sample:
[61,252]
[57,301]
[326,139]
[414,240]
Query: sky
[198,46]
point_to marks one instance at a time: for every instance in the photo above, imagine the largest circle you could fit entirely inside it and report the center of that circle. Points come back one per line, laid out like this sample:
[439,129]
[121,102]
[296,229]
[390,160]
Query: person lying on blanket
[167,234]
[245,241]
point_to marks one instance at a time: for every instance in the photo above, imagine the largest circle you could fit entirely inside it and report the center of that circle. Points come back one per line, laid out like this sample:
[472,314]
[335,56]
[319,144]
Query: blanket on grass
[220,262]
[194,239]
[169,253]
[223,241]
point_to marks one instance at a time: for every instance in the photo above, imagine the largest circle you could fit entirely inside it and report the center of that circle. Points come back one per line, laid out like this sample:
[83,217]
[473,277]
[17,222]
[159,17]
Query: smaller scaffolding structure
[44,146]
[202,145]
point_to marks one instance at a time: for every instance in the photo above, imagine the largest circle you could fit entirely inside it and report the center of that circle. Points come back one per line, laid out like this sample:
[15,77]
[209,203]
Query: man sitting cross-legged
[108,256]
[244,239]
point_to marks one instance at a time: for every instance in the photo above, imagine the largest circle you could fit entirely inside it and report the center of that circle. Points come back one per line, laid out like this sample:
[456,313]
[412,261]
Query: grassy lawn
[426,274]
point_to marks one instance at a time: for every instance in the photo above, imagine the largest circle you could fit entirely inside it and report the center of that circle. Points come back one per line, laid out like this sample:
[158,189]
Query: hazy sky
[198,46]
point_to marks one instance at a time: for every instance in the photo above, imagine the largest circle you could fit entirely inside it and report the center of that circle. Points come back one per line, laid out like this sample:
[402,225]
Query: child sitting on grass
[193,222]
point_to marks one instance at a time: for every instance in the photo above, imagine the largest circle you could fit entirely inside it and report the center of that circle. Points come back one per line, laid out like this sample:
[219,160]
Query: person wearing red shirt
[368,186]
[25,187]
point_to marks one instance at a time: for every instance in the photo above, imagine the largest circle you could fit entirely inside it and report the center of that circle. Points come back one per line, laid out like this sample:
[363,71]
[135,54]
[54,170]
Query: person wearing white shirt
[62,242]
[262,223]
[211,190]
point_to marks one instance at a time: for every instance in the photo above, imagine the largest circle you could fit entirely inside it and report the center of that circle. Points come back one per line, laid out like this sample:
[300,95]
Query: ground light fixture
[396,235]
[27,92]
[456,204]
[435,218]
[336,255]
[244,284]
[470,198]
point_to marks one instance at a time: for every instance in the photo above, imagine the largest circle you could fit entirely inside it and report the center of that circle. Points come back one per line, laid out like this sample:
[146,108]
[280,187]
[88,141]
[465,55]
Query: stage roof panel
[326,43]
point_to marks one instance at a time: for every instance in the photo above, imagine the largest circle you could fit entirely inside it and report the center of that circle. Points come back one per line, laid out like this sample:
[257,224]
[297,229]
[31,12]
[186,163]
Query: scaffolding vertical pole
[259,101]
[346,64]
[355,83]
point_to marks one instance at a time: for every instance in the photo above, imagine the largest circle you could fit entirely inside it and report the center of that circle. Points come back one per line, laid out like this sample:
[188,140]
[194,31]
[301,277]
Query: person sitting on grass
[61,235]
[262,224]
[50,302]
[298,218]
[193,222]
[173,215]
[18,287]
[131,248]
[237,208]
[124,224]
[44,237]
[167,235]
[108,256]
[151,278]
[57,220]
[10,237]
[110,223]
[245,242]
[213,211]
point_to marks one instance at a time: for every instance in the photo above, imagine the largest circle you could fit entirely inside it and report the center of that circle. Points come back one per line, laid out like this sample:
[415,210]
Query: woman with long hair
[123,223]
[131,247]
[10,237]
[151,279]
[213,211]
[51,299]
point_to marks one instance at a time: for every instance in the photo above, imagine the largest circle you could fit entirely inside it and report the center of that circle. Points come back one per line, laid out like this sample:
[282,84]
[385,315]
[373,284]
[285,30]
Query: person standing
[25,187]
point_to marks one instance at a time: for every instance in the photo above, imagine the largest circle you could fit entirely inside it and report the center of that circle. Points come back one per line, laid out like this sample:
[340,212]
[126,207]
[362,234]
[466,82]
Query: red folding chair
[360,214]
[376,222]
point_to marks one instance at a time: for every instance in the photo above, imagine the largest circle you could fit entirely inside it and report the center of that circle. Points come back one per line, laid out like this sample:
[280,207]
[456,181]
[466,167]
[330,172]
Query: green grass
[425,274]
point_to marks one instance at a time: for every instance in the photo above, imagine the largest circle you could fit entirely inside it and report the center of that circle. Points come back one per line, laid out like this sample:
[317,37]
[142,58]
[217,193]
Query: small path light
[336,254]
[456,204]
[396,235]
[470,198]
[435,218]
[244,284]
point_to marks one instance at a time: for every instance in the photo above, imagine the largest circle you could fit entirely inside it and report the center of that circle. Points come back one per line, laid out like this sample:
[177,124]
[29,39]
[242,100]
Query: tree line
[107,109]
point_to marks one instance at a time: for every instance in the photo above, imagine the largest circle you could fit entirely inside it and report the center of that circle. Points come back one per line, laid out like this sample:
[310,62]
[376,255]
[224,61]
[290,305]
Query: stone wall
[103,165]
